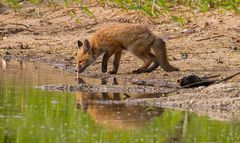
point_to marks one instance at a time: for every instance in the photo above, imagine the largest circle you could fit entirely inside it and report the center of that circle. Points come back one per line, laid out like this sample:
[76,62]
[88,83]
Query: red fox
[111,40]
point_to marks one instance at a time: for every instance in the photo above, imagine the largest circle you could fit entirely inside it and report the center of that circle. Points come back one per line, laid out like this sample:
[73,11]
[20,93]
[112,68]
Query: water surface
[32,115]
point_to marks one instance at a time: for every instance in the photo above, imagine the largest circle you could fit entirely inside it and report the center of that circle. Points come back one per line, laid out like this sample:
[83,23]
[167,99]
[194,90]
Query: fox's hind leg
[141,49]
[154,65]
[147,62]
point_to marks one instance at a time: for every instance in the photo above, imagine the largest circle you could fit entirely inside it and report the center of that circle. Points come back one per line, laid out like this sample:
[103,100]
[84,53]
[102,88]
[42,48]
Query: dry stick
[213,76]
[19,24]
[210,38]
[225,79]
[74,27]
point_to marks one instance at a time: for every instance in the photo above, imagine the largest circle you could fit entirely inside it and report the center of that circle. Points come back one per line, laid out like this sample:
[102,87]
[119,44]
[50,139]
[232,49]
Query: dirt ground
[209,44]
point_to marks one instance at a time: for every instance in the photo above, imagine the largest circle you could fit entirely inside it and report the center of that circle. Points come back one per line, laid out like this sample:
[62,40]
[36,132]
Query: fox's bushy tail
[159,48]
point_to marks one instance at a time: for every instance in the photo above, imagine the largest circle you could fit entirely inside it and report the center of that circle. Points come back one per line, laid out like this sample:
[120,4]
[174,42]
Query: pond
[28,114]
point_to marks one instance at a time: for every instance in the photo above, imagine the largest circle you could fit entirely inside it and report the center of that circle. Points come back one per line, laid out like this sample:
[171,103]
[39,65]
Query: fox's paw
[112,72]
[172,69]
[138,71]
[104,70]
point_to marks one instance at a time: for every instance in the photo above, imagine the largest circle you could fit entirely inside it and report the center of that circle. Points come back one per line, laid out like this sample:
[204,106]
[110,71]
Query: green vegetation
[150,8]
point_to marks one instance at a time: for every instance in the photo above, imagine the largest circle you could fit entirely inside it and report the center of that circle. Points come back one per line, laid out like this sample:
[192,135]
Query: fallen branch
[26,28]
[56,30]
[210,38]
[19,24]
[207,77]
[74,27]
[227,78]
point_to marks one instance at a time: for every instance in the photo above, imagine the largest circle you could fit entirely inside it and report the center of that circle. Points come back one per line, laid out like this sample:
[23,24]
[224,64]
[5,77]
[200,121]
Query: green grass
[149,8]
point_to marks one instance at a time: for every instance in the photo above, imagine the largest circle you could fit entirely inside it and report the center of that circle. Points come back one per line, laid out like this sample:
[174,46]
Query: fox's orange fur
[113,39]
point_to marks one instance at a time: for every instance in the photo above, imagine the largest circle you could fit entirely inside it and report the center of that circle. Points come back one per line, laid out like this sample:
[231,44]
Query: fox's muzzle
[79,69]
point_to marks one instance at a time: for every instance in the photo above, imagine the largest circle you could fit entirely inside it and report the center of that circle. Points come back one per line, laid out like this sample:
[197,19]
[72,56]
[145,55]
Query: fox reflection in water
[118,116]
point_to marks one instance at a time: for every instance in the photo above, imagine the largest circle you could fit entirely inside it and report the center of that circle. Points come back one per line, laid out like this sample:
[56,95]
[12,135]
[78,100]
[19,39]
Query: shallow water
[31,115]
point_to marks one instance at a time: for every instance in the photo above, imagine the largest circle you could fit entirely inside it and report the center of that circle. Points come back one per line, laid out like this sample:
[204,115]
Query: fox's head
[85,56]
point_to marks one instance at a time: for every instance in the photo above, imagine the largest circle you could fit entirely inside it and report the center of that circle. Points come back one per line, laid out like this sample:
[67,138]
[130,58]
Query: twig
[210,37]
[227,78]
[19,24]
[213,76]
[50,12]
[72,28]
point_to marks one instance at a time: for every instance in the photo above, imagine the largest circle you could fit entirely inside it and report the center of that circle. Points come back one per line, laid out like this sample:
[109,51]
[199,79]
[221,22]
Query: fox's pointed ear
[79,44]
[86,45]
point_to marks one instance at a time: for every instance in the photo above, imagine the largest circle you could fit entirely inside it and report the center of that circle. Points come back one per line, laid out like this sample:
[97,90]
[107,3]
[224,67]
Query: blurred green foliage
[150,8]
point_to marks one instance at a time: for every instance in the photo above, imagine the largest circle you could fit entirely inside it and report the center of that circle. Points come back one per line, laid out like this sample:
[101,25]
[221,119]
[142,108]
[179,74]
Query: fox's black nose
[76,70]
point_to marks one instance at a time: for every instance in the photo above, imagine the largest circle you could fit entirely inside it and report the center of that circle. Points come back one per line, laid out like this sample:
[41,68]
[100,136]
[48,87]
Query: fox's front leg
[105,62]
[116,62]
